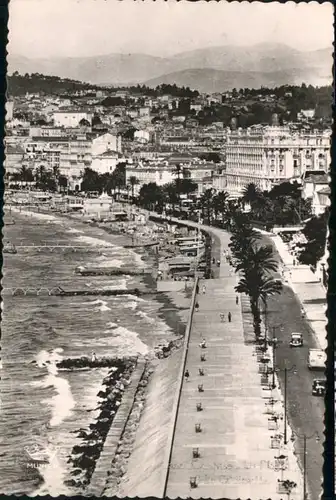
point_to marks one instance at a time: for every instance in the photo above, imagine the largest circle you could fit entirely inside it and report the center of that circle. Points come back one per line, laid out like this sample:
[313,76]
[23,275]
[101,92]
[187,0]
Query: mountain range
[213,69]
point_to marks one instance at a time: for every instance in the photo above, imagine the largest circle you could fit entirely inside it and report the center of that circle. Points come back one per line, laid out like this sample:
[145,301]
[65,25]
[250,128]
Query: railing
[169,451]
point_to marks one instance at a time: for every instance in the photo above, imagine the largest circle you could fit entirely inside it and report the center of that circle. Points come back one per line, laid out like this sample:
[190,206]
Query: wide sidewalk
[308,289]
[236,458]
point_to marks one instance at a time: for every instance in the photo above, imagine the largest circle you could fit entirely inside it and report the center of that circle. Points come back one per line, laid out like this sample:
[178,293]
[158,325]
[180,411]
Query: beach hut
[99,207]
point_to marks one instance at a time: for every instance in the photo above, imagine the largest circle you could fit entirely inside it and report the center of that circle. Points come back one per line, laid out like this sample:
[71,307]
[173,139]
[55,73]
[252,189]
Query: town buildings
[269,155]
[152,136]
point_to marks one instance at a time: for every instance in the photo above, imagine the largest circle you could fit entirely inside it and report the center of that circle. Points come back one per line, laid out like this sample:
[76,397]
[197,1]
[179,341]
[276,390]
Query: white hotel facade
[270,155]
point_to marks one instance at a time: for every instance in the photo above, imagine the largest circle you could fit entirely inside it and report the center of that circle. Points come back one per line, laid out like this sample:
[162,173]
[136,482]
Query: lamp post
[305,437]
[286,371]
[274,346]
[324,280]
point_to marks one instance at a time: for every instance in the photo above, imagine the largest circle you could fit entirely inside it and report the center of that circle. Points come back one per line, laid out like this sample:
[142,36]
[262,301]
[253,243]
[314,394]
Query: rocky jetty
[84,362]
[84,456]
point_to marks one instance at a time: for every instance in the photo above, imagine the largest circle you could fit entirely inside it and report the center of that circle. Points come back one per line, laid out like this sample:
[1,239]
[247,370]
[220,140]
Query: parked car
[296,340]
[319,387]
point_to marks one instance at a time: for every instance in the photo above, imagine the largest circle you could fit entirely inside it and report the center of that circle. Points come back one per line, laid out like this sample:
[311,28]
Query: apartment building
[106,142]
[160,174]
[269,155]
[71,117]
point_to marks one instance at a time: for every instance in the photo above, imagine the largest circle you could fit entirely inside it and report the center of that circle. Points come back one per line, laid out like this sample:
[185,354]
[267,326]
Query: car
[296,340]
[319,387]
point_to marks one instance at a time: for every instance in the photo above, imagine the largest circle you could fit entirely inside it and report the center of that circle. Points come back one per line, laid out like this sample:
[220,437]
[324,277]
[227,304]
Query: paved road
[306,412]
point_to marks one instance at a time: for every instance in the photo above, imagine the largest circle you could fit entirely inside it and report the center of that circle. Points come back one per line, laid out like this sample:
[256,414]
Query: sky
[61,28]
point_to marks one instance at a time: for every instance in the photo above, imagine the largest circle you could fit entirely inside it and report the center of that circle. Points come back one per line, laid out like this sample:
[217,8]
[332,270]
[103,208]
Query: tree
[91,181]
[62,182]
[261,259]
[206,204]
[257,287]
[171,194]
[151,195]
[214,157]
[315,232]
[96,120]
[251,193]
[84,123]
[220,203]
[119,175]
[45,180]
[254,263]
[186,186]
[133,181]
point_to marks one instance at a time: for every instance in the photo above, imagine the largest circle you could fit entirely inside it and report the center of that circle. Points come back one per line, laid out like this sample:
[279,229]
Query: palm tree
[251,193]
[262,259]
[171,194]
[206,204]
[257,286]
[242,240]
[220,202]
[133,181]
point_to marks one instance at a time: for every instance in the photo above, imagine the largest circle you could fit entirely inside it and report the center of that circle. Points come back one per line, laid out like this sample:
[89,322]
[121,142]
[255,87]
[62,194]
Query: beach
[42,405]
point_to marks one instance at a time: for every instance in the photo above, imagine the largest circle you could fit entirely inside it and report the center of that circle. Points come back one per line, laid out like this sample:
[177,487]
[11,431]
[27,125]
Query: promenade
[235,458]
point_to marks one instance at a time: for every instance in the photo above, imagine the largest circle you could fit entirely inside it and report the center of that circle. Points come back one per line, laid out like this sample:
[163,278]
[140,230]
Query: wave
[108,262]
[131,305]
[95,241]
[63,402]
[145,316]
[127,341]
[72,230]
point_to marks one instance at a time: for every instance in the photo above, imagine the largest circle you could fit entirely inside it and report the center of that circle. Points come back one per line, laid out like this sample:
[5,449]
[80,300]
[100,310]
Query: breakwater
[60,292]
[142,245]
[110,271]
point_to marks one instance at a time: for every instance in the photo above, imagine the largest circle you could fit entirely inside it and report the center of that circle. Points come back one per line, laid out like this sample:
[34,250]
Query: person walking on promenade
[196,306]
[197,289]
[203,289]
[237,300]
[187,375]
[229,317]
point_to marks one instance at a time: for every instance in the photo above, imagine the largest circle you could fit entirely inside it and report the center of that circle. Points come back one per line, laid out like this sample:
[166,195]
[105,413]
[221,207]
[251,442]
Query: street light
[285,370]
[305,438]
[274,342]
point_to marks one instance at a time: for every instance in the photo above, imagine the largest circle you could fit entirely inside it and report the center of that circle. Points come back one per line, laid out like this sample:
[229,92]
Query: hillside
[262,62]
[36,83]
[210,80]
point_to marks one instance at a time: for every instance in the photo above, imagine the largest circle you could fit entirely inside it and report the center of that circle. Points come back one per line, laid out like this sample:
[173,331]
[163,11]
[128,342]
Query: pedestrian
[229,317]
[237,299]
[294,262]
[93,357]
[203,344]
[213,260]
[203,289]
[218,263]
[196,306]
[187,375]
[197,288]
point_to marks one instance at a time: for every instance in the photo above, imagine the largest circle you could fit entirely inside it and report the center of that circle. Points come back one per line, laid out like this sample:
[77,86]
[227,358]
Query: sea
[42,407]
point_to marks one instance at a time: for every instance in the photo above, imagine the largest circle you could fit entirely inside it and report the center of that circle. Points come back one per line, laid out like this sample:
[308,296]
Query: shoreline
[172,307]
